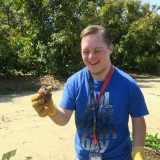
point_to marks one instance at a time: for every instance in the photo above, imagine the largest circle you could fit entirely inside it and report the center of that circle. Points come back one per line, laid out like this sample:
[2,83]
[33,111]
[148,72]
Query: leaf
[9,154]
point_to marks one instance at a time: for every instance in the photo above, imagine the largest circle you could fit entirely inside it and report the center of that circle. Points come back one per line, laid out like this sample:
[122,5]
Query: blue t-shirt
[122,98]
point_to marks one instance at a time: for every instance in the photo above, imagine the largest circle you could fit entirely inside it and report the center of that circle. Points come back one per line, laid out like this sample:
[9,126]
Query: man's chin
[97,73]
[94,72]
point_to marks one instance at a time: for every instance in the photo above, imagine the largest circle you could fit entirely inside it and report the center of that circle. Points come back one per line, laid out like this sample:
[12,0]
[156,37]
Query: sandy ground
[40,139]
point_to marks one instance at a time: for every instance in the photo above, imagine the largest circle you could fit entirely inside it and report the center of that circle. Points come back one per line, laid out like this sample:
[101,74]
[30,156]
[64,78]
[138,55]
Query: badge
[95,156]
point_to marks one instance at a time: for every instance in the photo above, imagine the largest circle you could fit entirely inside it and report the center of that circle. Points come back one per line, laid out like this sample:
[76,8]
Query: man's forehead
[93,41]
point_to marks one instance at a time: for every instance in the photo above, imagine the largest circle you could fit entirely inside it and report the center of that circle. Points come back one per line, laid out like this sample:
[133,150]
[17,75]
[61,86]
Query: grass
[153,141]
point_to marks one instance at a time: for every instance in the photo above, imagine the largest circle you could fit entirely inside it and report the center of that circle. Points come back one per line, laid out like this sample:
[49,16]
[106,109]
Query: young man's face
[96,55]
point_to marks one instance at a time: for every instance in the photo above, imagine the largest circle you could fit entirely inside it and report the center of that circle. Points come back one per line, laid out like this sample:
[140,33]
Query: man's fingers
[49,88]
[42,101]
[44,112]
[38,102]
[35,97]
[39,108]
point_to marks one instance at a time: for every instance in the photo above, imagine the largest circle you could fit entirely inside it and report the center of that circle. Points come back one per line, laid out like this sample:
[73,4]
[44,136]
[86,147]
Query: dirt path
[151,90]
[40,139]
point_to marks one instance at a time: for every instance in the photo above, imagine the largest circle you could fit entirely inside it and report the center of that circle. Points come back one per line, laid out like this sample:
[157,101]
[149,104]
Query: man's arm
[139,134]
[62,116]
[139,131]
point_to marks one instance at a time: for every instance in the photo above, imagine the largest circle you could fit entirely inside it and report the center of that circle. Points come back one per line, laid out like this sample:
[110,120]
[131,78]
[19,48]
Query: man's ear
[111,48]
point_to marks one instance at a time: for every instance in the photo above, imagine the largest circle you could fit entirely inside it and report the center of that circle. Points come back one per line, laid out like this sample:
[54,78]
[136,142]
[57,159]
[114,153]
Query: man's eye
[97,51]
[85,52]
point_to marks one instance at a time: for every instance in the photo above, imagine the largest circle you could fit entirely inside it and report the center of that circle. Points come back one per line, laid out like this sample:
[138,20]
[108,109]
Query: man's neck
[101,75]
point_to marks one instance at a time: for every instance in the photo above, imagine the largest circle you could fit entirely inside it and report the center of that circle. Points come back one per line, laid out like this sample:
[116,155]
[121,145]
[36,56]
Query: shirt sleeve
[137,104]
[68,100]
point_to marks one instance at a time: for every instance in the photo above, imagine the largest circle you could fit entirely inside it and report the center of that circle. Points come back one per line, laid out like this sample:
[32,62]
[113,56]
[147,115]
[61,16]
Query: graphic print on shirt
[105,130]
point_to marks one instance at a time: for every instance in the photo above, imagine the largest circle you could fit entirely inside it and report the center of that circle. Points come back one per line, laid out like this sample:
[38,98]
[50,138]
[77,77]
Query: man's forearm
[139,134]
[139,131]
[62,117]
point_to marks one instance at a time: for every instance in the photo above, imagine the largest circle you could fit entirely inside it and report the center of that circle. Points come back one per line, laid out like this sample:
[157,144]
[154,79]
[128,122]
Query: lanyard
[94,102]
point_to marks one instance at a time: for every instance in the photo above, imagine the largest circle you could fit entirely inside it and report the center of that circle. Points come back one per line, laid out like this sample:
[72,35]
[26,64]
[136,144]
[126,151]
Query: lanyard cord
[94,102]
[94,105]
[106,81]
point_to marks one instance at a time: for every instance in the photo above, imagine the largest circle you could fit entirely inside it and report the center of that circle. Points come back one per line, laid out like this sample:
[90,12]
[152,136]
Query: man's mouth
[93,63]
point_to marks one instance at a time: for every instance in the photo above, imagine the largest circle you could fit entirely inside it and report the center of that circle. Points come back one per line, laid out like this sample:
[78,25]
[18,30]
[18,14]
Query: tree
[135,32]
[42,36]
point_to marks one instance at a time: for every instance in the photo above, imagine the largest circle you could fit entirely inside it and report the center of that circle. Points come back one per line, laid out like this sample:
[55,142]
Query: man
[102,97]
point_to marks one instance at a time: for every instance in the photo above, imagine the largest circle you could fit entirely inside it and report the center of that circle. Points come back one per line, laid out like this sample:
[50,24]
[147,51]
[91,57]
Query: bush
[153,141]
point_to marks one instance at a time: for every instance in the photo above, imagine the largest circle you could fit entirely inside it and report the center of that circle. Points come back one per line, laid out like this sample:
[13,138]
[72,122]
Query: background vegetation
[42,36]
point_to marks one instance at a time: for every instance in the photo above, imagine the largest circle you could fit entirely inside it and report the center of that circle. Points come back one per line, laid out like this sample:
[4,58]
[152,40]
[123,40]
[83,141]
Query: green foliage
[148,63]
[153,141]
[15,34]
[6,50]
[42,36]
[135,32]
[64,59]
[140,44]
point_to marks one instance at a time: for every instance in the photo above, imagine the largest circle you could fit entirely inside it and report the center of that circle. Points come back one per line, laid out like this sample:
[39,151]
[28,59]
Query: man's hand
[138,153]
[43,104]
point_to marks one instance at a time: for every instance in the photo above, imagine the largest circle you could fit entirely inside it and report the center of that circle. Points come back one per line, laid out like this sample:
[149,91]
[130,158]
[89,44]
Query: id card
[95,156]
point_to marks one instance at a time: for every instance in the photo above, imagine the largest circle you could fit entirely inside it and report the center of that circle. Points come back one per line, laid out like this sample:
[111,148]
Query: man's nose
[91,54]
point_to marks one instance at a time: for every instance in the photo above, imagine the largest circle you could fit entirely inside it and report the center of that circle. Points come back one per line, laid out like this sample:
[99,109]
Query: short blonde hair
[93,29]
